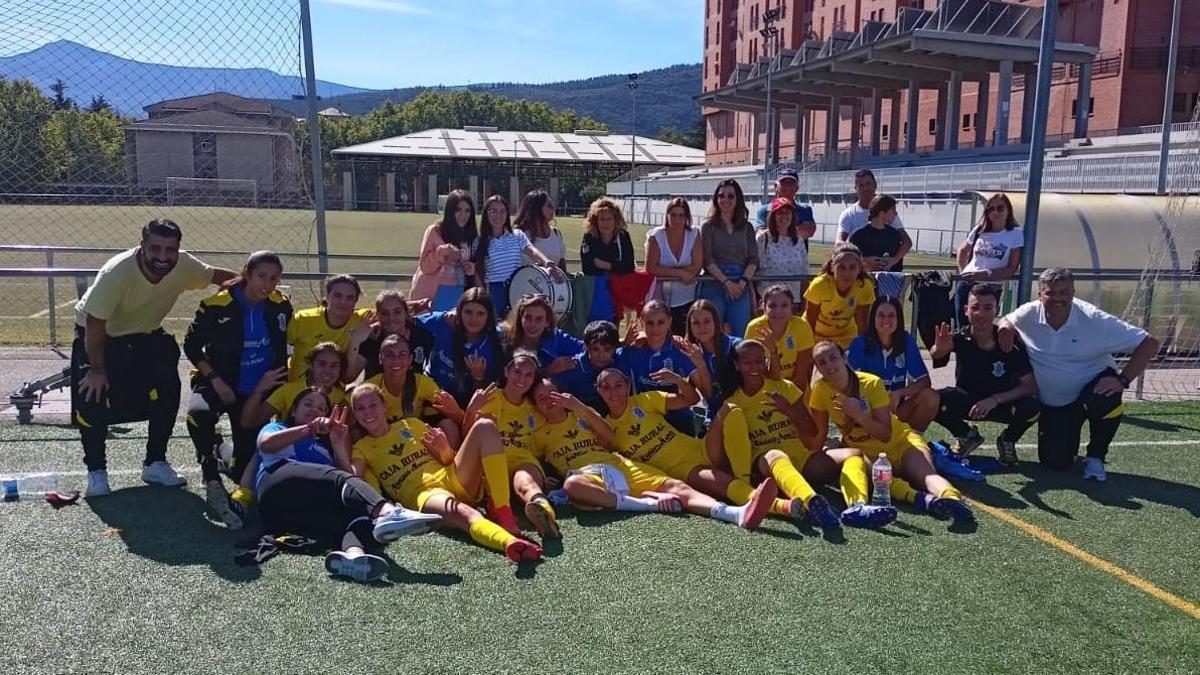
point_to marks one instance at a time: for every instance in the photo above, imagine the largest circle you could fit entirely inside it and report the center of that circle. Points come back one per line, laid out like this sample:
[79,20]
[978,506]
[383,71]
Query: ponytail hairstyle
[409,393]
[290,419]
[825,345]
[840,251]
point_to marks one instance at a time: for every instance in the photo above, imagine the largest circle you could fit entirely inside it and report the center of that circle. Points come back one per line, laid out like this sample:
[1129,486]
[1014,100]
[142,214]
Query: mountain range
[664,96]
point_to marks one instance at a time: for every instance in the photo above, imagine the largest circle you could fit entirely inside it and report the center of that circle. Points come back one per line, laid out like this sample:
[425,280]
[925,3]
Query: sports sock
[540,500]
[644,504]
[951,493]
[736,438]
[495,473]
[854,481]
[781,507]
[790,480]
[902,492]
[489,535]
[739,491]
[727,513]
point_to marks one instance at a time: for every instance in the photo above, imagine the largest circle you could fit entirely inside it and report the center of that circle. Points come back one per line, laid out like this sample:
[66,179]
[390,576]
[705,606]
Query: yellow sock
[489,535]
[736,437]
[495,474]
[243,496]
[781,507]
[902,492]
[738,492]
[854,481]
[790,480]
[951,493]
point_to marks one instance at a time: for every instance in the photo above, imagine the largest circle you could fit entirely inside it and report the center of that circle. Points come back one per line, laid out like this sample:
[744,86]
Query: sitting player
[655,349]
[788,338]
[990,383]
[414,463]
[573,439]
[602,350]
[409,393]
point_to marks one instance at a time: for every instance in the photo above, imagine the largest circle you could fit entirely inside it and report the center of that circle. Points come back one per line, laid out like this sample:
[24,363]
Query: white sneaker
[218,501]
[97,484]
[161,473]
[402,522]
[1093,469]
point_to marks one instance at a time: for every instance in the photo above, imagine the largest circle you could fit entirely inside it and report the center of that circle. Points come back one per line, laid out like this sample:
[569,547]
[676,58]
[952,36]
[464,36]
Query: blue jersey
[442,367]
[638,363]
[559,343]
[306,449]
[580,380]
[895,368]
[722,382]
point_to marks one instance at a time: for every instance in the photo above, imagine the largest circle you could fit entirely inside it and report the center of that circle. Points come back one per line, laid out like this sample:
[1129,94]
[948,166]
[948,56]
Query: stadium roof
[501,146]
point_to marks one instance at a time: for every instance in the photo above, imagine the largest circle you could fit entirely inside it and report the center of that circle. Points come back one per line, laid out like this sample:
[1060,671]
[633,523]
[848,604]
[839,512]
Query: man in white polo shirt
[855,216]
[1071,345]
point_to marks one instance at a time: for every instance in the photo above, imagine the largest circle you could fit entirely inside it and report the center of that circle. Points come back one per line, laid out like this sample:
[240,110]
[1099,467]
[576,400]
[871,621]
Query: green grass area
[23,320]
[141,581]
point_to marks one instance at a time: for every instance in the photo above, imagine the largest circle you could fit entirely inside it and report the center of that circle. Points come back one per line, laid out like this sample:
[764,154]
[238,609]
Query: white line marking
[1122,444]
[46,312]
[187,471]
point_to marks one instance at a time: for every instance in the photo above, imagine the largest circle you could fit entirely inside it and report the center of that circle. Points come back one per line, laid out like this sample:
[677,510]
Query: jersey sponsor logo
[223,320]
[765,415]
[998,369]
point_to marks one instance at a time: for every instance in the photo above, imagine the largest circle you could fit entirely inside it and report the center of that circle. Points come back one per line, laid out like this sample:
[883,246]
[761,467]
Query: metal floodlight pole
[515,174]
[314,136]
[768,32]
[1164,149]
[632,84]
[1037,147]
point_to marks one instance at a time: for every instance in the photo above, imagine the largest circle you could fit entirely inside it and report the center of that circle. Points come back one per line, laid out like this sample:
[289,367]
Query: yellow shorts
[640,478]
[517,457]
[896,448]
[444,481]
[683,467]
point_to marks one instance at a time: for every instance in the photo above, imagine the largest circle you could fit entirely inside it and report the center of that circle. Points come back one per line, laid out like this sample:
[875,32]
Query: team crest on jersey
[582,424]
[790,342]
[419,355]
[667,364]
[900,362]
[406,435]
[850,302]
[998,369]
[530,422]
[639,413]
[283,320]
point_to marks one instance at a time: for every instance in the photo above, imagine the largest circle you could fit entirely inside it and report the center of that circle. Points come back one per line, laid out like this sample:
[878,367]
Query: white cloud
[393,6]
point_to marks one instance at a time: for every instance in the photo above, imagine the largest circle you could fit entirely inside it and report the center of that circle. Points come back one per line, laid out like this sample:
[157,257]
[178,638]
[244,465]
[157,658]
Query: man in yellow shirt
[124,366]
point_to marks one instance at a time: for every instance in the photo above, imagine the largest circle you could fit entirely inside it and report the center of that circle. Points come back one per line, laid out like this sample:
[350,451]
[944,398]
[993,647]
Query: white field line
[46,312]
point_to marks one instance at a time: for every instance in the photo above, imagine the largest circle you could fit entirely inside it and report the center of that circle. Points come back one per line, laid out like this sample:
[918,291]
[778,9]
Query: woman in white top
[781,251]
[674,256]
[499,253]
[991,252]
[534,218]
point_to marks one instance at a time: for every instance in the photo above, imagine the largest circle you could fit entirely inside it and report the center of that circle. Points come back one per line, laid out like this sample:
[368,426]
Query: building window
[932,126]
[905,128]
[883,131]
[1092,106]
[966,123]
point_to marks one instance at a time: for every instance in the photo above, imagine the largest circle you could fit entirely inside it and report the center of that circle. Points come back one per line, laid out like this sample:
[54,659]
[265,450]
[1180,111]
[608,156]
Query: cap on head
[782,203]
[787,173]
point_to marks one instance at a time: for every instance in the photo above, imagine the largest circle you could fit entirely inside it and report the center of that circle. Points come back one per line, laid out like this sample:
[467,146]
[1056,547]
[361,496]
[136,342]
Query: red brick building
[1127,82]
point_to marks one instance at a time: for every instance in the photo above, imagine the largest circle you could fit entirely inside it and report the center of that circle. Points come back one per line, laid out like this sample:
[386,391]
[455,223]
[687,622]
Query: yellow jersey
[400,462]
[517,423]
[836,319]
[284,396]
[769,428]
[570,445]
[796,338]
[426,389]
[872,395]
[307,329]
[644,434]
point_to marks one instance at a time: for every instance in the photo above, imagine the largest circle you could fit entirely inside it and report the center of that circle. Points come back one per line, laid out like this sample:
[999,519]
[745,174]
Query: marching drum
[533,280]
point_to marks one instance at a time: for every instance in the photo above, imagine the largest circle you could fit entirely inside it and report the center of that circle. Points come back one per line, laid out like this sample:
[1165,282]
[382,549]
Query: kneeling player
[413,462]
[572,441]
[772,413]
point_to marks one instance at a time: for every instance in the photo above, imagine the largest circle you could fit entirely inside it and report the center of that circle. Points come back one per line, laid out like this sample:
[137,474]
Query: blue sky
[395,43]
[377,44]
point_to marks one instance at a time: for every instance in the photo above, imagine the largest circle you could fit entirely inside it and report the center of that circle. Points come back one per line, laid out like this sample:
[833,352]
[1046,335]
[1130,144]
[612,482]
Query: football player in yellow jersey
[840,297]
[414,463]
[778,424]
[331,321]
[642,433]
[787,338]
[408,393]
[573,440]
[508,405]
[859,405]
[274,395]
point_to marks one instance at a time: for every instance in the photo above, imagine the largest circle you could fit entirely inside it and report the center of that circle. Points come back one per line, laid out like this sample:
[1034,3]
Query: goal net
[1166,300]
[239,192]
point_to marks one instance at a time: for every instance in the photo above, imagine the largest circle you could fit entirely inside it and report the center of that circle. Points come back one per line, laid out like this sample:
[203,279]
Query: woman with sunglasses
[890,353]
[991,252]
[675,256]
[499,253]
[446,251]
[530,327]
[730,256]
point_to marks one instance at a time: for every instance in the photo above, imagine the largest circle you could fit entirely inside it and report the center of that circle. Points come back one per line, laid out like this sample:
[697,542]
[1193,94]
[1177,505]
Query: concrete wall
[160,155]
[247,156]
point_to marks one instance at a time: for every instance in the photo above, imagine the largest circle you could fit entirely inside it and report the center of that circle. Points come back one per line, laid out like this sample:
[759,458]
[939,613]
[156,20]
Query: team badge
[283,320]
[668,364]
[419,355]
[862,403]
[639,413]
[582,423]
[998,369]
[790,342]
[850,303]
[900,362]
[406,435]
[529,421]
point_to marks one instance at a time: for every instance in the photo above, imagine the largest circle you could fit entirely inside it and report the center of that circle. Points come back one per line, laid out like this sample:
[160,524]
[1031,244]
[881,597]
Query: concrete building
[1122,81]
[216,137]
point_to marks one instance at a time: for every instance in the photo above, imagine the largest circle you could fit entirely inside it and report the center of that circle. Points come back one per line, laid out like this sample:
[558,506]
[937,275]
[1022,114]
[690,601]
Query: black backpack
[931,293]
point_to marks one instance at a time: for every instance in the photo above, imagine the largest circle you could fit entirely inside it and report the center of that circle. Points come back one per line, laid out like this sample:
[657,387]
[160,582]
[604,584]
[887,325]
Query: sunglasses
[536,296]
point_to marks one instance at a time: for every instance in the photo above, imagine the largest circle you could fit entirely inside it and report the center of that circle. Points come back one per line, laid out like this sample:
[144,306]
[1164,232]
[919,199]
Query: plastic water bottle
[881,481]
[32,485]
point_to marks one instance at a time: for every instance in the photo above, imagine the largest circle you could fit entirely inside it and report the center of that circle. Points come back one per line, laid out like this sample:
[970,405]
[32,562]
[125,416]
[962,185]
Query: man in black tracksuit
[237,338]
